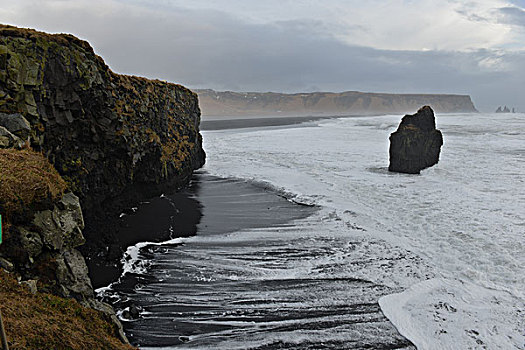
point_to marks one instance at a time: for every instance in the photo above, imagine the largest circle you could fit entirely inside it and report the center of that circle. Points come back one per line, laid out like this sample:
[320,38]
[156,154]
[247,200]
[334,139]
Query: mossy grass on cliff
[27,180]
[32,34]
[45,321]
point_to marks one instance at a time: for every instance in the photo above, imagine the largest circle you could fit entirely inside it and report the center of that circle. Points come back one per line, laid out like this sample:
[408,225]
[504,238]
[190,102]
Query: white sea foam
[456,315]
[465,217]
[133,262]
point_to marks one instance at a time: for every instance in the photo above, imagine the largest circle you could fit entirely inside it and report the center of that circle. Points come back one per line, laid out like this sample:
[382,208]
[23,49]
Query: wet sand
[221,123]
[151,220]
[209,292]
[210,205]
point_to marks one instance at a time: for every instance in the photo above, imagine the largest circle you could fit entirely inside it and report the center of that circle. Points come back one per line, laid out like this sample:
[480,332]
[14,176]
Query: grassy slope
[44,321]
[26,179]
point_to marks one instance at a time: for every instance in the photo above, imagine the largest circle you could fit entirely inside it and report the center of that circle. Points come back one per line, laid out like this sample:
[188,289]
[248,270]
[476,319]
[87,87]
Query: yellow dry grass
[45,321]
[26,179]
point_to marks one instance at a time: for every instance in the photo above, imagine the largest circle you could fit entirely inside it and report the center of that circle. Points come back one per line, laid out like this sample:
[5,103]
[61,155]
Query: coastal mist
[306,241]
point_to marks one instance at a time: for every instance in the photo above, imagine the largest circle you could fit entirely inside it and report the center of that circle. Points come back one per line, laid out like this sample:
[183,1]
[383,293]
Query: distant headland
[228,103]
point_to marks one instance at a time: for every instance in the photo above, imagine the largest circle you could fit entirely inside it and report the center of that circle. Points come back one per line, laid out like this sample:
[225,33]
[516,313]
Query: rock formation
[416,143]
[228,103]
[43,229]
[505,109]
[113,139]
[104,132]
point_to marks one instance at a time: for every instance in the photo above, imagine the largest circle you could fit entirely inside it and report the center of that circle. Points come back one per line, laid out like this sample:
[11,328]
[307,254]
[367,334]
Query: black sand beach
[179,308]
[210,205]
[198,208]
[221,123]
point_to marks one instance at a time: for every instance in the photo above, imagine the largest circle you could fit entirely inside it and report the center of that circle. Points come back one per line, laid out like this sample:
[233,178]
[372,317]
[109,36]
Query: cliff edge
[78,143]
[113,138]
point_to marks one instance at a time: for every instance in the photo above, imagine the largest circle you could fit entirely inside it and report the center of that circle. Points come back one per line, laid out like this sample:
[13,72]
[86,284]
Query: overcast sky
[411,46]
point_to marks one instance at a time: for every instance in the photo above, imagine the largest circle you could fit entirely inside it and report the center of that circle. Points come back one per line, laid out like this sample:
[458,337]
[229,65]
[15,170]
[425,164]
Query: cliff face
[112,138]
[107,134]
[42,229]
[229,103]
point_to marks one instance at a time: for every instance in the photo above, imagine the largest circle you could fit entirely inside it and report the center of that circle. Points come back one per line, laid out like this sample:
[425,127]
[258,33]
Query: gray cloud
[513,15]
[211,49]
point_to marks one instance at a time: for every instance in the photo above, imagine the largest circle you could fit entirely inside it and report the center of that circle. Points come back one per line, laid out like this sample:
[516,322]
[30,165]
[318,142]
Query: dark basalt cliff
[78,143]
[228,103]
[113,138]
[416,143]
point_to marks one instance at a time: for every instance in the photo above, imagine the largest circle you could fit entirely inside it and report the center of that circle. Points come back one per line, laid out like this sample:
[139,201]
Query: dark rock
[115,139]
[8,140]
[61,228]
[499,110]
[6,265]
[31,243]
[131,313]
[72,275]
[416,143]
[43,248]
[506,109]
[16,124]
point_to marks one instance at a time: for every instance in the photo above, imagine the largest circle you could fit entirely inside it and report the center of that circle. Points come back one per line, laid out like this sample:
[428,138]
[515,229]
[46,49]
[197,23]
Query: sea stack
[416,143]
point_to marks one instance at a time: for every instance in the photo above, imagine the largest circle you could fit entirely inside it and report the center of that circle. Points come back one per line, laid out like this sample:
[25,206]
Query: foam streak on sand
[134,263]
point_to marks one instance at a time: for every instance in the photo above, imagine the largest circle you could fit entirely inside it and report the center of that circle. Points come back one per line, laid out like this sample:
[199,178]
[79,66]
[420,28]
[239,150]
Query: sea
[376,260]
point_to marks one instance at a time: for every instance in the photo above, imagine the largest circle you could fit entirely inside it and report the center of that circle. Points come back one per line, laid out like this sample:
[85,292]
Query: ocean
[378,260]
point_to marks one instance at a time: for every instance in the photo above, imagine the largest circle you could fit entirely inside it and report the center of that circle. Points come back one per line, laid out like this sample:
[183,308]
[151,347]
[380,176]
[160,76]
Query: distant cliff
[214,103]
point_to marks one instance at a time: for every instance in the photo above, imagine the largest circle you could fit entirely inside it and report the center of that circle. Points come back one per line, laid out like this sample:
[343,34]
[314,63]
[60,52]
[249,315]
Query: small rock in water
[132,313]
[416,143]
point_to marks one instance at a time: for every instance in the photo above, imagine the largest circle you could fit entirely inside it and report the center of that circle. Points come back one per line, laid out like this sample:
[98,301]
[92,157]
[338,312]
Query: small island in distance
[505,109]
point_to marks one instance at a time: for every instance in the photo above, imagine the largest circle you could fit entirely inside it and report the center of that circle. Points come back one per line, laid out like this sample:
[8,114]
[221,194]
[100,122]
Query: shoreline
[218,206]
[198,209]
[161,285]
[225,123]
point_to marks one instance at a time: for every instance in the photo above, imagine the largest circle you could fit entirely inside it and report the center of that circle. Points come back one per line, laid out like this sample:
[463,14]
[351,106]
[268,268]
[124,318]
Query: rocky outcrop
[227,103]
[45,249]
[115,139]
[416,143]
[43,252]
[14,129]
[505,110]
